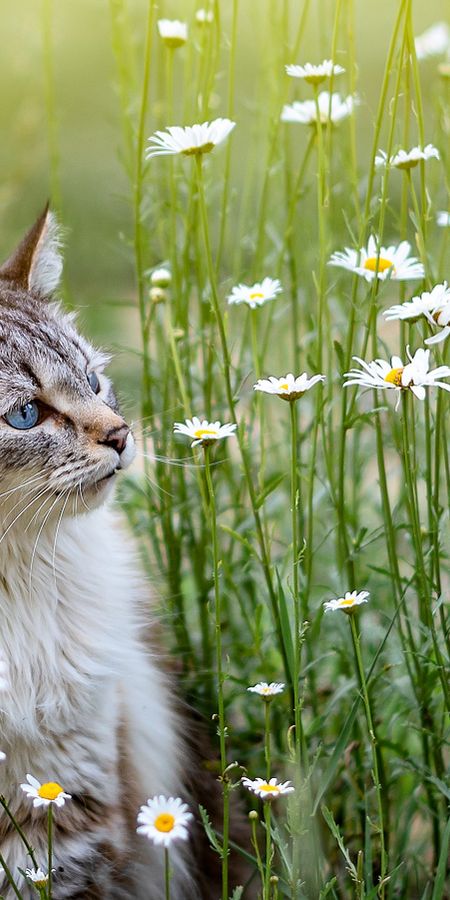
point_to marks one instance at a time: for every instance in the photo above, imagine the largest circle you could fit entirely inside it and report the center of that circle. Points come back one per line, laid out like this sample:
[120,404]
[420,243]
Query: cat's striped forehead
[40,349]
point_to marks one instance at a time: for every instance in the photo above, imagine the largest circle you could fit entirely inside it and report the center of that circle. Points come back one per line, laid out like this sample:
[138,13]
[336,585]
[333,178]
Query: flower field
[281,233]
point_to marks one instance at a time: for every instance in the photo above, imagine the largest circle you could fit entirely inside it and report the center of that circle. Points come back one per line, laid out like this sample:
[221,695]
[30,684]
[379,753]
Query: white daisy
[306,113]
[396,375]
[288,387]
[38,877]
[407,159]
[443,218]
[256,294]
[164,820]
[267,691]
[315,74]
[348,601]
[434,41]
[173,32]
[202,431]
[204,16]
[190,141]
[388,262]
[267,790]
[160,278]
[434,305]
[44,794]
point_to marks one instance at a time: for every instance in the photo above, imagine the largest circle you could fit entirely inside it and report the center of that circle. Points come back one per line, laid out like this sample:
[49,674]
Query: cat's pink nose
[116,438]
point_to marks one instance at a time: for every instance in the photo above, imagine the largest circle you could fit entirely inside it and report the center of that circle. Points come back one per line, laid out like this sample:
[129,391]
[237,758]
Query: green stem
[265,555]
[9,877]
[267,737]
[166,874]
[220,673]
[49,849]
[267,818]
[373,744]
[295,502]
[21,834]
[259,862]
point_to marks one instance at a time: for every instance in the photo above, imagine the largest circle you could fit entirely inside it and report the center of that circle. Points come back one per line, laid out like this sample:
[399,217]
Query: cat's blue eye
[94,382]
[25,417]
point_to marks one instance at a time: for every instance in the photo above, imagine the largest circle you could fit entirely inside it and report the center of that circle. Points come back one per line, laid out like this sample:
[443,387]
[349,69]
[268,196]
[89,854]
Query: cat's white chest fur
[77,672]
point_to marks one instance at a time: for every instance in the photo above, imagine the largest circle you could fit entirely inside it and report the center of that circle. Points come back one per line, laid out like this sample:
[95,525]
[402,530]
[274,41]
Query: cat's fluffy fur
[85,704]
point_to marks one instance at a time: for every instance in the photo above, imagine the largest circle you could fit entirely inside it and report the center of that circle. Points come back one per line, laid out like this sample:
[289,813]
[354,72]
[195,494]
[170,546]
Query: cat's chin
[97,493]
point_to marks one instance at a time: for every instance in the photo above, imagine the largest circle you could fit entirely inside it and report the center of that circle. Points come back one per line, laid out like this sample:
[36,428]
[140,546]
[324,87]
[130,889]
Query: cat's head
[62,438]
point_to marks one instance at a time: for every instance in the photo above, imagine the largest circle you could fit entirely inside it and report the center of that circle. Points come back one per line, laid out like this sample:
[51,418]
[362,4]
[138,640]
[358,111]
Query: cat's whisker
[24,484]
[42,526]
[58,526]
[22,513]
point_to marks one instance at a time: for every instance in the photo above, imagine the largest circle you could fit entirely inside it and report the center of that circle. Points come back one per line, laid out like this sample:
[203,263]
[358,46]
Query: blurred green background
[93,187]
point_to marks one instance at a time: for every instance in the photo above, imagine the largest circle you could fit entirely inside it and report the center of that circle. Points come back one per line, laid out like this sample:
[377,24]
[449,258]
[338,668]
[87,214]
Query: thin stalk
[220,673]
[267,822]
[226,363]
[253,820]
[267,737]
[9,877]
[49,849]
[166,874]
[19,830]
[373,744]
[295,502]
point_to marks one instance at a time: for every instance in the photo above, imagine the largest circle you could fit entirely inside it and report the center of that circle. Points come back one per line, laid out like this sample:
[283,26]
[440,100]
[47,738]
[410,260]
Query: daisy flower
[407,159]
[38,877]
[387,262]
[434,305]
[164,820]
[267,790]
[396,375]
[204,16]
[348,601]
[443,218]
[172,32]
[256,294]
[190,141]
[306,113]
[288,387]
[267,691]
[434,41]
[204,432]
[315,74]
[44,794]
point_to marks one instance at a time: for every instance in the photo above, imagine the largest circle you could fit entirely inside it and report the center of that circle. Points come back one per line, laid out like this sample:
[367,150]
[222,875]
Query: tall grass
[339,491]
[346,493]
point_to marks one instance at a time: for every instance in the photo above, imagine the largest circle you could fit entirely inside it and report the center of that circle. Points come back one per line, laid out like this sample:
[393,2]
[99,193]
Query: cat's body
[85,705]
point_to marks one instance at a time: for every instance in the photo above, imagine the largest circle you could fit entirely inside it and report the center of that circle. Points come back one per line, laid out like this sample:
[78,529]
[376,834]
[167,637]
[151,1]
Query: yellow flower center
[256,296]
[394,377]
[164,822]
[284,386]
[201,432]
[195,151]
[347,602]
[269,787]
[50,791]
[374,264]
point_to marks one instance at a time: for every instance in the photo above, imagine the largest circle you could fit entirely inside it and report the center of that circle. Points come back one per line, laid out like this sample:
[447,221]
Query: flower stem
[267,817]
[373,743]
[295,581]
[267,737]
[220,673]
[49,849]
[166,874]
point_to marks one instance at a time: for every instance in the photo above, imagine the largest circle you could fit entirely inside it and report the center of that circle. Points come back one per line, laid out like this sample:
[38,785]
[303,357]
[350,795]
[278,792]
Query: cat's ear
[36,264]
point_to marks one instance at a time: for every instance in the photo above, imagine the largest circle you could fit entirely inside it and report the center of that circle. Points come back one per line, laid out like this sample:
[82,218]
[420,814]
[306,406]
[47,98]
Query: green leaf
[439,884]
[285,627]
[268,488]
[337,755]
[210,833]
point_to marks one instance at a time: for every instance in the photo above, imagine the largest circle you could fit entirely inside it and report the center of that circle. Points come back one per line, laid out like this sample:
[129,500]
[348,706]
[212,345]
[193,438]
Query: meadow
[308,546]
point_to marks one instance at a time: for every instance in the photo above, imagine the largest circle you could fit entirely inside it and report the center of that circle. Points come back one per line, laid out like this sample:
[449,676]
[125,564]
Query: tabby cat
[84,704]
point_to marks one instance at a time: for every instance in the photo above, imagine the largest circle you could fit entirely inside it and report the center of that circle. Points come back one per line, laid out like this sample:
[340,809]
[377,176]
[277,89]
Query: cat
[82,701]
